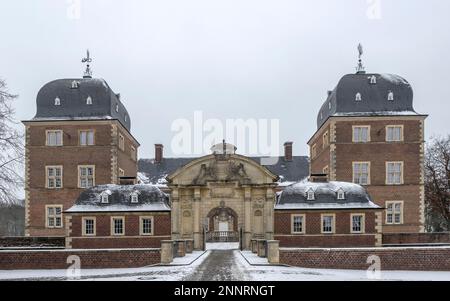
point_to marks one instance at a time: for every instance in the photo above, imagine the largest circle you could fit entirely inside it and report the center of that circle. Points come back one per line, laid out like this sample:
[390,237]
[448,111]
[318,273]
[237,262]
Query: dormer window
[310,195]
[321,115]
[358,97]
[126,118]
[104,197]
[329,105]
[89,100]
[57,101]
[391,96]
[373,80]
[75,84]
[117,107]
[340,194]
[134,197]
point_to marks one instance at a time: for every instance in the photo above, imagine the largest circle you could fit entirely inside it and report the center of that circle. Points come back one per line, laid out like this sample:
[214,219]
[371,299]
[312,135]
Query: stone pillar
[247,218]
[273,251]
[175,214]
[254,245]
[261,248]
[189,245]
[181,247]
[198,242]
[268,213]
[166,251]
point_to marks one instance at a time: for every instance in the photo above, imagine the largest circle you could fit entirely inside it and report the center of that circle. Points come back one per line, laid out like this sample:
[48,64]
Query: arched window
[358,97]
[341,194]
[310,194]
[373,79]
[329,105]
[57,101]
[74,84]
[89,100]
[117,107]
[104,197]
[135,197]
[391,96]
[126,117]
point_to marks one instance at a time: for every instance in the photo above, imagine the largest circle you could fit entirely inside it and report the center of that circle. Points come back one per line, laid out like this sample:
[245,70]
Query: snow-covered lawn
[177,271]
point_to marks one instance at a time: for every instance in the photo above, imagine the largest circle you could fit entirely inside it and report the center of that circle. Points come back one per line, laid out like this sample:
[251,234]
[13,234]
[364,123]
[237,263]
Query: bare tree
[11,149]
[437,184]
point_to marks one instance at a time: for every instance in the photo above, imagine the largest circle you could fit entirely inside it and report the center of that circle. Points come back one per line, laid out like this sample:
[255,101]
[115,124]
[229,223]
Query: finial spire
[87,59]
[360,68]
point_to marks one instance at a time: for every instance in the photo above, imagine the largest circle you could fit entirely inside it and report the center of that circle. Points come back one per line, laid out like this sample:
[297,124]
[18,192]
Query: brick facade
[105,155]
[132,237]
[413,259]
[342,237]
[342,152]
[89,259]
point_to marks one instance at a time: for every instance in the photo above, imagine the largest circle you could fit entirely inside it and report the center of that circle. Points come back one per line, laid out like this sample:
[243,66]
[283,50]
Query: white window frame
[47,138]
[325,139]
[141,225]
[358,97]
[391,96]
[310,194]
[86,176]
[89,100]
[54,177]
[94,225]
[391,127]
[388,182]
[134,197]
[354,163]
[333,223]
[113,232]
[303,223]
[373,80]
[394,212]
[359,139]
[363,223]
[87,141]
[340,194]
[54,216]
[104,197]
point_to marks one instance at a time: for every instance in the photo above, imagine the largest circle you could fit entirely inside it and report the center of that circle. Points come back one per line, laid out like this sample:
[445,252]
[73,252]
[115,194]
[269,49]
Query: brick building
[79,138]
[368,133]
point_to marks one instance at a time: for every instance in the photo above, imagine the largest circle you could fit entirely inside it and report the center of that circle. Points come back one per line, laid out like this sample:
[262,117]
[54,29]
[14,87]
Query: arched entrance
[222,225]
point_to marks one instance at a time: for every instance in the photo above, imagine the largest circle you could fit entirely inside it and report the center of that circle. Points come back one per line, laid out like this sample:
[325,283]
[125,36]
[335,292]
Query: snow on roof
[320,206]
[119,208]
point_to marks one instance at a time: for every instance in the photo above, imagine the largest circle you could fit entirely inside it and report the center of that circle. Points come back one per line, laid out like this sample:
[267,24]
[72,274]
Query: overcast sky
[228,58]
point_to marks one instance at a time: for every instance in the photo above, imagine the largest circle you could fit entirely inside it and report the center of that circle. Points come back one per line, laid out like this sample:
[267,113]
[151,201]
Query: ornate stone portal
[222,192]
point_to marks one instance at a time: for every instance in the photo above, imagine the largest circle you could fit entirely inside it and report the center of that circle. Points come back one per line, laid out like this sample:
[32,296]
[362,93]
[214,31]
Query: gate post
[273,251]
[166,251]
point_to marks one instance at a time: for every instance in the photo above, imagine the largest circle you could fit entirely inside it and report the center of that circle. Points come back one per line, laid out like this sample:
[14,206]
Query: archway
[222,225]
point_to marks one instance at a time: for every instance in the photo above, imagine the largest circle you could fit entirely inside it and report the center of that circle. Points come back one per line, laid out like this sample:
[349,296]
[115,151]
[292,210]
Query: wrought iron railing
[222,236]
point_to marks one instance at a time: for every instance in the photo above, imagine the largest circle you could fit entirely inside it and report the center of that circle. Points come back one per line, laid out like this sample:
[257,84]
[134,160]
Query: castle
[365,174]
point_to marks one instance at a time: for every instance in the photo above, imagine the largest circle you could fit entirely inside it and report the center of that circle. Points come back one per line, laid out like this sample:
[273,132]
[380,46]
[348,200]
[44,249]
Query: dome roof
[364,94]
[80,99]
[325,196]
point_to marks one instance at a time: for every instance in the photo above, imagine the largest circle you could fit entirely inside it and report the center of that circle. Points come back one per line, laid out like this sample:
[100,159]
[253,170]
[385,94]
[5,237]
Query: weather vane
[87,59]
[360,68]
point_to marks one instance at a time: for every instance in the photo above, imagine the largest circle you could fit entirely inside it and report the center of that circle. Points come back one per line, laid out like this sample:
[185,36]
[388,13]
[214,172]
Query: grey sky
[228,58]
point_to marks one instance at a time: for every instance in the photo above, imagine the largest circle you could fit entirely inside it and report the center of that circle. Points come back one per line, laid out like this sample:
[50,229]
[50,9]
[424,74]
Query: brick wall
[31,242]
[92,259]
[416,238]
[413,259]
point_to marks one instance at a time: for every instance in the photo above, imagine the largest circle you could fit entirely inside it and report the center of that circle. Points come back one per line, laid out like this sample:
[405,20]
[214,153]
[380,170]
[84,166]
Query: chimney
[288,151]
[318,178]
[158,153]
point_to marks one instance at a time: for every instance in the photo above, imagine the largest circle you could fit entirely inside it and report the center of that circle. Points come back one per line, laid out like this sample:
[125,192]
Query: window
[54,138]
[340,194]
[391,96]
[298,224]
[75,84]
[357,222]
[89,100]
[133,153]
[394,133]
[135,197]
[394,173]
[328,223]
[394,212]
[117,107]
[358,97]
[57,101]
[54,177]
[53,216]
[88,226]
[361,173]
[361,134]
[126,117]
[313,151]
[86,176]
[117,226]
[104,197]
[146,225]
[325,139]
[121,142]
[87,137]
[373,79]
[329,105]
[310,194]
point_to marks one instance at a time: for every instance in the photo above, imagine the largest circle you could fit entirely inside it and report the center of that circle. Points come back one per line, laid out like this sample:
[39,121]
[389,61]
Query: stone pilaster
[247,217]
[175,214]
[268,213]
[198,241]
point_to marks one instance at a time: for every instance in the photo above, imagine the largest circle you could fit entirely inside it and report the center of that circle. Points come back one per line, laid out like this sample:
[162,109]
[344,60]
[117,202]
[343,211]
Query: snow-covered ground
[184,268]
[222,246]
